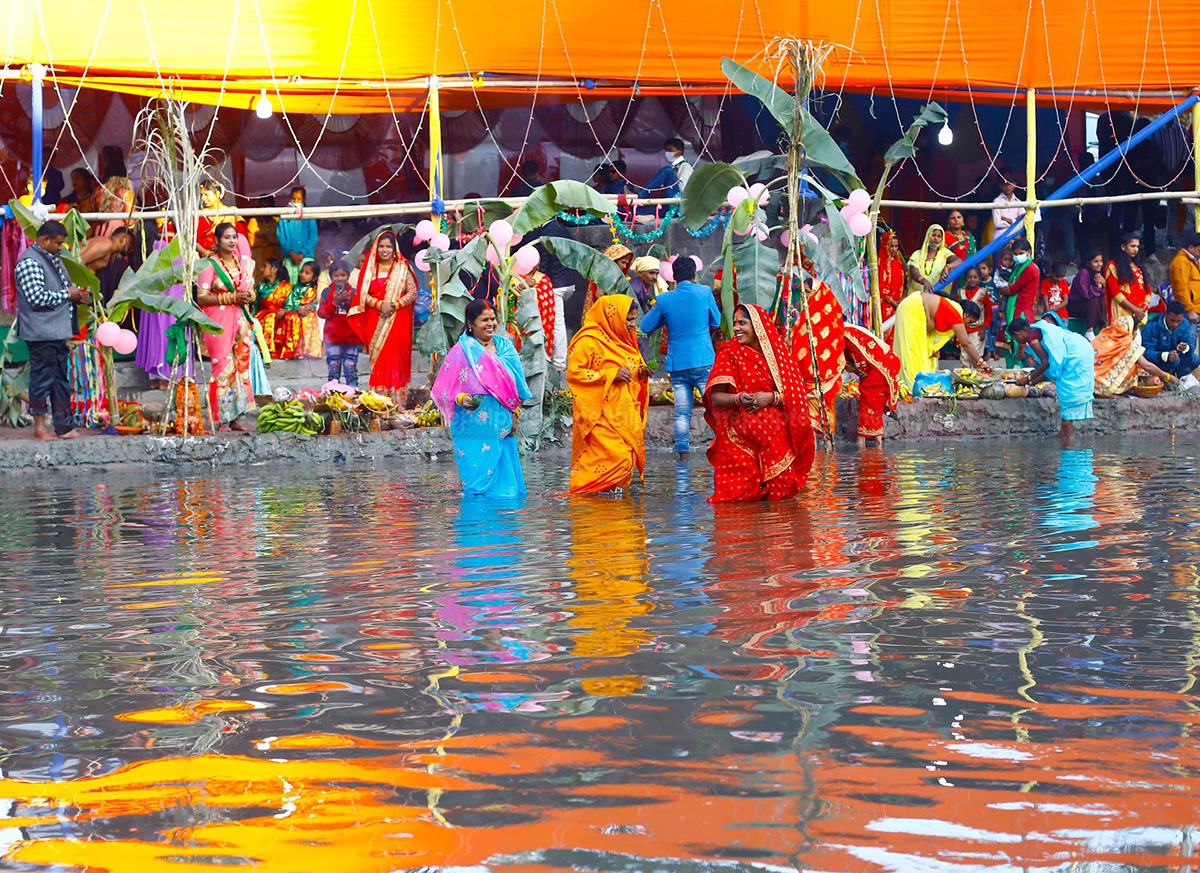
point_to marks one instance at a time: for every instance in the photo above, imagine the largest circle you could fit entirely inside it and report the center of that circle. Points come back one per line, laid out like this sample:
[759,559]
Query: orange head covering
[616,251]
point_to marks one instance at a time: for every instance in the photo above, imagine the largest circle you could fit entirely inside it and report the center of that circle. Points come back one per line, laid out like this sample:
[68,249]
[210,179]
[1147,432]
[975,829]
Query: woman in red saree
[757,408]
[381,314]
[1125,286]
[878,371]
[891,275]
[829,343]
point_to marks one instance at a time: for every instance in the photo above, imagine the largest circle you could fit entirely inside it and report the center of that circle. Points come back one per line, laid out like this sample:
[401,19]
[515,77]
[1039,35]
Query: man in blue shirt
[689,313]
[1170,341]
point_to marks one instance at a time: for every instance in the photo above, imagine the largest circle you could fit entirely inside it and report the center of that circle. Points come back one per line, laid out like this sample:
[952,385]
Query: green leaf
[77,229]
[25,218]
[906,146]
[757,268]
[146,290]
[778,101]
[567,194]
[79,274]
[492,210]
[659,251]
[761,161]
[588,262]
[444,325]
[820,149]
[706,191]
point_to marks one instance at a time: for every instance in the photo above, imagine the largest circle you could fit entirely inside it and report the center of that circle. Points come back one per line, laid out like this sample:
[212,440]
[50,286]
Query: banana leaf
[547,200]
[492,210]
[819,147]
[757,268]
[25,218]
[906,146]
[535,364]
[759,162]
[146,289]
[706,191]
[588,262]
[445,324]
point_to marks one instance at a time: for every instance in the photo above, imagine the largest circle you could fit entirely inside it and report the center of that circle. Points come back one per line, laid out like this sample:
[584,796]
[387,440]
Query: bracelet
[778,399]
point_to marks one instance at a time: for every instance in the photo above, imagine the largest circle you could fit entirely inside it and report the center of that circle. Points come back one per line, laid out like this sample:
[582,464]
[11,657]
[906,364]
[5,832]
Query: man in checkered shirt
[46,319]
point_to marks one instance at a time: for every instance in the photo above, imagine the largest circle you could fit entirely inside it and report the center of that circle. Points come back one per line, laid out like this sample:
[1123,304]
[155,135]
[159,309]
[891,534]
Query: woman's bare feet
[73,434]
[862,442]
[240,426]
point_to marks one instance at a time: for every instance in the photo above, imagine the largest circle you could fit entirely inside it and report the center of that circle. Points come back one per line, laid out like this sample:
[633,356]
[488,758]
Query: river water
[949,657]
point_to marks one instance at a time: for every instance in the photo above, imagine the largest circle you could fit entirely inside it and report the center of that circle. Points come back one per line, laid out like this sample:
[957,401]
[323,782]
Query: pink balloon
[501,231]
[742,232]
[786,236]
[760,194]
[846,213]
[525,260]
[860,224]
[421,262]
[425,230]
[859,200]
[671,259]
[107,333]
[736,195]
[126,343]
[492,256]
[761,233]
[440,241]
[516,240]
[699,263]
[666,272]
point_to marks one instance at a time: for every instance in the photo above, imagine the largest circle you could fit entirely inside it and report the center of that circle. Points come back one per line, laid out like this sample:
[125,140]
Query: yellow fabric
[608,439]
[930,269]
[915,344]
[297,48]
[1185,280]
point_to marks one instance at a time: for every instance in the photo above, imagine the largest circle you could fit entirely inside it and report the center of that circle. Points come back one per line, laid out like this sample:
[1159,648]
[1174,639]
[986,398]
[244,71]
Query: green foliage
[566,194]
[906,146]
[820,149]
[588,262]
[356,251]
[757,268]
[446,323]
[492,210]
[706,191]
[12,385]
[760,162]
[146,289]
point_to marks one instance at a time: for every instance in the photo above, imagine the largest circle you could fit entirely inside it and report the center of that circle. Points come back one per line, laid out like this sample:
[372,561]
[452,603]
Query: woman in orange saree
[757,407]
[829,342]
[609,381]
[619,255]
[381,313]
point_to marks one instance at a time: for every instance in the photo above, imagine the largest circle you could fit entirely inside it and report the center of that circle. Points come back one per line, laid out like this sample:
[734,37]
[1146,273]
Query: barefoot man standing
[46,319]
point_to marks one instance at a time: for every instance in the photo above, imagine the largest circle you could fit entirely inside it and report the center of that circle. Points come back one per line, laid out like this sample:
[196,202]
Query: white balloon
[440,241]
[501,231]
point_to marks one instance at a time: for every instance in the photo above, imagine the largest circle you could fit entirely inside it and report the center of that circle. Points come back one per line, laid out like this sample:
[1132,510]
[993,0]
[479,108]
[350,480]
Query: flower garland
[627,233]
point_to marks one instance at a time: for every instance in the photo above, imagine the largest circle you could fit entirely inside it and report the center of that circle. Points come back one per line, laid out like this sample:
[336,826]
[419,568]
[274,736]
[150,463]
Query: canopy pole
[435,143]
[38,73]
[1196,163]
[1030,162]
[1106,161]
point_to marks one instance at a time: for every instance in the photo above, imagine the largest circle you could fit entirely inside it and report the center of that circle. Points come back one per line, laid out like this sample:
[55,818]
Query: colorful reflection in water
[979,657]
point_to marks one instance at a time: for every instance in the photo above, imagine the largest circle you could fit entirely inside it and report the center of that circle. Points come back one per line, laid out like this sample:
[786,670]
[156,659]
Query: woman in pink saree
[479,390]
[224,289]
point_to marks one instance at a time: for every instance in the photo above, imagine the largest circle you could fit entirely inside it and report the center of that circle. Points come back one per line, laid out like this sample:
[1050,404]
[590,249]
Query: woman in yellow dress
[610,383]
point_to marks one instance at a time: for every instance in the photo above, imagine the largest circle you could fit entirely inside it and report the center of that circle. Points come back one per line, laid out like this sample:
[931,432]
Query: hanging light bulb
[262,108]
[946,135]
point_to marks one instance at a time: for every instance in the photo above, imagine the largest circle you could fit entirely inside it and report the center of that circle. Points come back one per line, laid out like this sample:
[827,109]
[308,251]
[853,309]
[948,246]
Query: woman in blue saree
[1063,357]
[479,390]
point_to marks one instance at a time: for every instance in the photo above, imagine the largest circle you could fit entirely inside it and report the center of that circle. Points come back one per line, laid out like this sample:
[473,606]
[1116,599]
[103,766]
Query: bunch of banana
[291,417]
[340,403]
[376,402]
[428,416]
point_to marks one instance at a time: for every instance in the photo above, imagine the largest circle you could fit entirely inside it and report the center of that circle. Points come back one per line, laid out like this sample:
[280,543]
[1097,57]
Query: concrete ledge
[224,449]
[937,418]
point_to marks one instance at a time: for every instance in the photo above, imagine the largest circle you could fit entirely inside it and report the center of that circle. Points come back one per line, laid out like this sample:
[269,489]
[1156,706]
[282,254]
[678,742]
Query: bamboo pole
[1196,165]
[1030,164]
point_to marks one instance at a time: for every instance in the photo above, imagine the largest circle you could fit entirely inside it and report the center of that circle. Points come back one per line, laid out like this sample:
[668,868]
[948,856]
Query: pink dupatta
[471,369]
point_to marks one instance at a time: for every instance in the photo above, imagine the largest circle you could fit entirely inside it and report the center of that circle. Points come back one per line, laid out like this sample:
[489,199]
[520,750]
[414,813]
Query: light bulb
[262,108]
[945,135]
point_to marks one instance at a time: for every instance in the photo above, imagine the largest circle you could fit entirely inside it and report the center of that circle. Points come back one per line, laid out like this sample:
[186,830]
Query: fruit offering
[428,416]
[290,417]
[375,402]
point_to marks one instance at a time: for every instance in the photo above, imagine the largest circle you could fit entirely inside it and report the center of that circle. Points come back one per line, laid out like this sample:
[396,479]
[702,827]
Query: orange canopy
[375,55]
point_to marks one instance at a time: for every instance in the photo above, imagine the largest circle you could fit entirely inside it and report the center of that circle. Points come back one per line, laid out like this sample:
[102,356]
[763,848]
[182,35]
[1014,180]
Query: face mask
[1023,259]
[670,156]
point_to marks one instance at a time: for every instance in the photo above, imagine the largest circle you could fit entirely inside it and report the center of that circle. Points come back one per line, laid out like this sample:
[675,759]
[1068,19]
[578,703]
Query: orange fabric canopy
[374,55]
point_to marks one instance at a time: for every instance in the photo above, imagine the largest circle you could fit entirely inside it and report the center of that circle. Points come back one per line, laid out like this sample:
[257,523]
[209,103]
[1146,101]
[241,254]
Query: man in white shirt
[673,152]
[1004,215]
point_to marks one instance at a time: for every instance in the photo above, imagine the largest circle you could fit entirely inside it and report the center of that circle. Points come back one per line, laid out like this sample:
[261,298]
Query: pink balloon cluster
[855,212]
[756,193]
[121,341]
[427,230]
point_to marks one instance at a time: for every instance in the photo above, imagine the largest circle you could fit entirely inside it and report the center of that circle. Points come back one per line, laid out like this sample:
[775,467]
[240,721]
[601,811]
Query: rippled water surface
[977,656]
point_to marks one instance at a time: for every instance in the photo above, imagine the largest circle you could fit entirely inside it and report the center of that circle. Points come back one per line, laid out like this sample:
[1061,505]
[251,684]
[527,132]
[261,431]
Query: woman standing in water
[479,390]
[608,378]
[756,404]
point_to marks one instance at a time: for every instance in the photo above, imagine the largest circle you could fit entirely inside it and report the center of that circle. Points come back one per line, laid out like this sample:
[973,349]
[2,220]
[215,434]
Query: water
[977,656]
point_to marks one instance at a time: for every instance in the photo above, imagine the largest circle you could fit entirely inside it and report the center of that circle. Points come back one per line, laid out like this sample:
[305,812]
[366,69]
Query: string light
[946,135]
[263,107]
